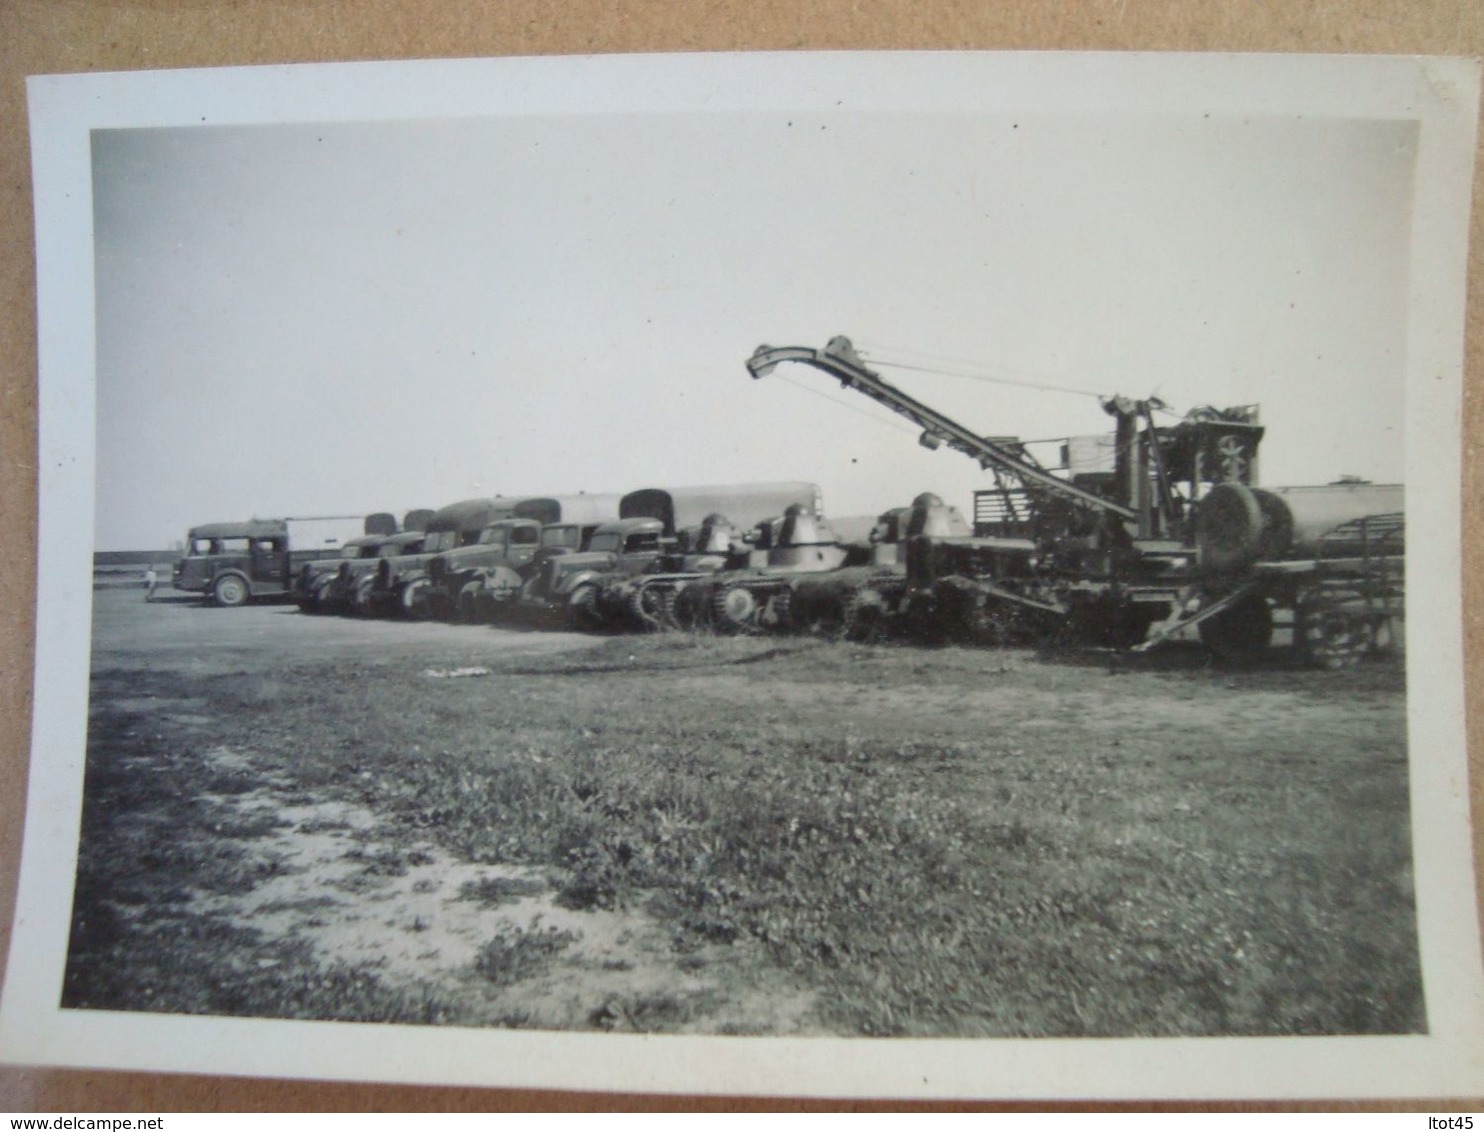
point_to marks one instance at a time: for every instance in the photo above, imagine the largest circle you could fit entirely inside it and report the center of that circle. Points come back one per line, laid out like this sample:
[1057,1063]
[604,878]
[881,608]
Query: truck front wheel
[230,592]
[582,608]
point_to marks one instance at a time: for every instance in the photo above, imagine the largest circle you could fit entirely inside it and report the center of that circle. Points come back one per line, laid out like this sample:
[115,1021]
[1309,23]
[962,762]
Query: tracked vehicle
[702,531]
[754,591]
[648,599]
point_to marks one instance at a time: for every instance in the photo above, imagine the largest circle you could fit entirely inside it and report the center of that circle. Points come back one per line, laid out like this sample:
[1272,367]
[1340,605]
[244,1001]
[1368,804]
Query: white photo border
[1441,95]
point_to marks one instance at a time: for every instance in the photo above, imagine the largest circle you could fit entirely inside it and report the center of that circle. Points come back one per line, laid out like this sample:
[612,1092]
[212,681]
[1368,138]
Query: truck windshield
[561,536]
[607,542]
[492,536]
[644,540]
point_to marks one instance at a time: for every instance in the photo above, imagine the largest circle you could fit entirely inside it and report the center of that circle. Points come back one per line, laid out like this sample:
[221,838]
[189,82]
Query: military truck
[314,578]
[234,563]
[399,585]
[348,590]
[493,591]
[314,583]
[565,583]
[510,543]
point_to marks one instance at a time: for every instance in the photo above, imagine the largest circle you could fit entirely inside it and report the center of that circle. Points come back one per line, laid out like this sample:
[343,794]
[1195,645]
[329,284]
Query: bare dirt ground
[296,816]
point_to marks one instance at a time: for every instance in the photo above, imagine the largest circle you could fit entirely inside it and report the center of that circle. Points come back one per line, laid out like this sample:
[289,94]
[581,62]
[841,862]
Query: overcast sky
[309,320]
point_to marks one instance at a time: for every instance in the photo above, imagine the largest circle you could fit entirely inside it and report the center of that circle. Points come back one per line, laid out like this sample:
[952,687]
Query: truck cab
[497,587]
[400,582]
[349,588]
[233,563]
[510,543]
[315,578]
[571,581]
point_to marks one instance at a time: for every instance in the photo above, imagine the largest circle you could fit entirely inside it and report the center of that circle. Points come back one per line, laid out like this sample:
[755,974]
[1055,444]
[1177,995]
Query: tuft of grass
[516,953]
[495,891]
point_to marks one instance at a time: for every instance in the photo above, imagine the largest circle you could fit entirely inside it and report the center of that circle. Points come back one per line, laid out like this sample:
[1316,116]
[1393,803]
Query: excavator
[1174,534]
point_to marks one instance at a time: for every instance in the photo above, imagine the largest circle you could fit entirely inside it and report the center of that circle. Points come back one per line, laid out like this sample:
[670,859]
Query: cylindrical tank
[1318,510]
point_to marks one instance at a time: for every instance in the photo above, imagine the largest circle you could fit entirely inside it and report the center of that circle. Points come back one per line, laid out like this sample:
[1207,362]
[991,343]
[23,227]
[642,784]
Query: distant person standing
[151,580]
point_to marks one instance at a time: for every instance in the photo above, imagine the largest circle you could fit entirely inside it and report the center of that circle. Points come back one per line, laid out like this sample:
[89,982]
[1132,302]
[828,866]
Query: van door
[270,563]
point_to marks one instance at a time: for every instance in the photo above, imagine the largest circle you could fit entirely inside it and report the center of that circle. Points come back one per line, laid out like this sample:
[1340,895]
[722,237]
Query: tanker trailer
[1332,555]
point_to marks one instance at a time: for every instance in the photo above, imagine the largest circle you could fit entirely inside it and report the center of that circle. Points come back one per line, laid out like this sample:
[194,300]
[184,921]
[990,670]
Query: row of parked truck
[1161,530]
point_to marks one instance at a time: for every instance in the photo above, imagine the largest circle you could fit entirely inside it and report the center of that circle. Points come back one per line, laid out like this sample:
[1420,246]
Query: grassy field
[909,841]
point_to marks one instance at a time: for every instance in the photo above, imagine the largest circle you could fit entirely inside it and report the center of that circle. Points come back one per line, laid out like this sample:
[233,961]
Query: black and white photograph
[839,574]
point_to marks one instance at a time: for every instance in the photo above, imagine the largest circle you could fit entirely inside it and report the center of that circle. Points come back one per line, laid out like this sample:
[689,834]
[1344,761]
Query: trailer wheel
[1241,633]
[230,591]
[1335,638]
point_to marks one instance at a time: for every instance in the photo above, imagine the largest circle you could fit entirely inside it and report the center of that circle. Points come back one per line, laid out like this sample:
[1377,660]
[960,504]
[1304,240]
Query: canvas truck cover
[745,504]
[469,515]
[582,509]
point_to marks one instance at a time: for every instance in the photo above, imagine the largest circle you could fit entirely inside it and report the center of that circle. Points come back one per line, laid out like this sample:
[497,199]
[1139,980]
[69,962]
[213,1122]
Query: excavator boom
[839,360]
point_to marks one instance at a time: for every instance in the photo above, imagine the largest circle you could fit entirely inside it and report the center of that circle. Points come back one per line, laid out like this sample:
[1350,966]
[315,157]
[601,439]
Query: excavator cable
[972,370]
[984,377]
[854,408]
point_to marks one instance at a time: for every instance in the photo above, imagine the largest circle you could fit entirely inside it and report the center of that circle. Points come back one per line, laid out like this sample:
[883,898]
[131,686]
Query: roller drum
[1239,525]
